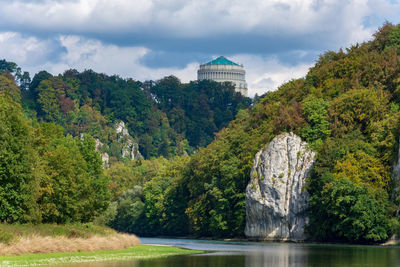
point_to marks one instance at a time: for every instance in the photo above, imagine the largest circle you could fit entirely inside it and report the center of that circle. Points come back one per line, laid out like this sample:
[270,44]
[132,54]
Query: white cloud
[198,19]
[82,53]
[32,54]
[27,51]
[268,73]
[76,16]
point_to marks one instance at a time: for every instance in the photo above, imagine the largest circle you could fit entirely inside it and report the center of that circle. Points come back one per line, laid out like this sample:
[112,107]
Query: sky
[275,40]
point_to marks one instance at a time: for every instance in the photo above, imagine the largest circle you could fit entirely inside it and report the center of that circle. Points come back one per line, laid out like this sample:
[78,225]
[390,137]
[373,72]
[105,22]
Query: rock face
[276,200]
[396,179]
[104,156]
[121,129]
[396,168]
[130,148]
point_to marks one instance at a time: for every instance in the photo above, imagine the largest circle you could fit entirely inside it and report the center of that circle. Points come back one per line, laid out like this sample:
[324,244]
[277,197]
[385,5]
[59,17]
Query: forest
[51,128]
[198,142]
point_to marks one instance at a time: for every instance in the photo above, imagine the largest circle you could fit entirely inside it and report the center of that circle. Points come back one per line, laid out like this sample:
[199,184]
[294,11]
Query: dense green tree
[315,111]
[9,67]
[68,197]
[22,78]
[357,109]
[72,184]
[37,79]
[387,37]
[24,81]
[166,200]
[51,93]
[8,87]
[362,168]
[99,195]
[125,175]
[130,208]
[18,187]
[350,212]
[169,92]
[89,121]
[332,151]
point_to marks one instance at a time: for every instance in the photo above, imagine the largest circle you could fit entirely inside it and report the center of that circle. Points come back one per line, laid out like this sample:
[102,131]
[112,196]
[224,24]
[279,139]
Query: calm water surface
[249,254]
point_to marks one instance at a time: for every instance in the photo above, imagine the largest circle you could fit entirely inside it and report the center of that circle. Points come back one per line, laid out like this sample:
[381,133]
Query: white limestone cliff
[130,148]
[276,200]
[104,156]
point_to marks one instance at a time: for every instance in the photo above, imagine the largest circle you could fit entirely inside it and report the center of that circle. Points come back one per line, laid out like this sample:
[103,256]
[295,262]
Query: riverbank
[139,252]
[17,239]
[393,241]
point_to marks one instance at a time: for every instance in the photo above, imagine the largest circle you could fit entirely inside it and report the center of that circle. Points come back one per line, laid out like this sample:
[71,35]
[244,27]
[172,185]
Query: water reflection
[202,261]
[239,254]
[326,256]
[280,256]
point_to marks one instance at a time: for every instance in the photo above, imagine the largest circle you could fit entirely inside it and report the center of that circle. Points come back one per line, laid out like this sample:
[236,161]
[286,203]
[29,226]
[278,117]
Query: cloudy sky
[276,40]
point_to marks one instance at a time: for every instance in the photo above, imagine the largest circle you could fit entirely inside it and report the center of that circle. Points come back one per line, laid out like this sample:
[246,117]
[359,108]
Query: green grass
[139,252]
[8,232]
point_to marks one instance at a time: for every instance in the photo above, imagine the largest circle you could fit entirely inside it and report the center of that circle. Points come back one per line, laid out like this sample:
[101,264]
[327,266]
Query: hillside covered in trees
[347,108]
[166,117]
[51,128]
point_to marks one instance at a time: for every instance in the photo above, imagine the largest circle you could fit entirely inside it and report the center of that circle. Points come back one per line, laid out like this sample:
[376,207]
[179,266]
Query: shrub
[6,237]
[346,211]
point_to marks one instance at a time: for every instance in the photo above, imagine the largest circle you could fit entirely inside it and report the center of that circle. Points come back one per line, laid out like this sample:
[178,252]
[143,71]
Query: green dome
[221,61]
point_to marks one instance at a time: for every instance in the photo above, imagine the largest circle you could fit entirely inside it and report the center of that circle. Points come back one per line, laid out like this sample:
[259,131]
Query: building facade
[222,69]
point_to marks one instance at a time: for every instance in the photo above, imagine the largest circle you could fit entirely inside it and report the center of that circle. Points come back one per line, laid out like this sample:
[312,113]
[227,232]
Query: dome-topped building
[222,69]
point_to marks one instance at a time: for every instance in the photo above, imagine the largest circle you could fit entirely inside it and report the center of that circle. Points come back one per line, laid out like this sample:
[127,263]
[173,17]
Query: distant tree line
[165,117]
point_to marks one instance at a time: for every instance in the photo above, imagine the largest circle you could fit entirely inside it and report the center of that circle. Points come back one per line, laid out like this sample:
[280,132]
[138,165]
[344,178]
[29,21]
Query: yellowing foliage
[362,168]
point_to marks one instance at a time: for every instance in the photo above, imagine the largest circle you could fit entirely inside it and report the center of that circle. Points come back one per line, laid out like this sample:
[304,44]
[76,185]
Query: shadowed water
[250,254]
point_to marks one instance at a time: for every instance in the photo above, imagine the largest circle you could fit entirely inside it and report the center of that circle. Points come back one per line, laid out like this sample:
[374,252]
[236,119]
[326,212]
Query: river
[265,254]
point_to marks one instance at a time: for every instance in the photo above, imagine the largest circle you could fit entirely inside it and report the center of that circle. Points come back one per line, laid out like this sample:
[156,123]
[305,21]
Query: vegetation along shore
[19,239]
[139,252]
[49,244]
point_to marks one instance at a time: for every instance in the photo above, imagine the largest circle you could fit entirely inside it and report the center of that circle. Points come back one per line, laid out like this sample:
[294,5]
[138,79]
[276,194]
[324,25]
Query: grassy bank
[44,238]
[132,253]
[11,232]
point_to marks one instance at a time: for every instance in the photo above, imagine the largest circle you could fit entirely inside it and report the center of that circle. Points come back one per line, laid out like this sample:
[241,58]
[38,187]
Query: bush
[6,237]
[346,211]
[362,168]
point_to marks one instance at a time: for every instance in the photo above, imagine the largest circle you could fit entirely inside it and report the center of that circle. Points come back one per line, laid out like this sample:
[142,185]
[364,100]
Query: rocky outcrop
[396,179]
[130,148]
[104,156]
[396,168]
[121,129]
[276,200]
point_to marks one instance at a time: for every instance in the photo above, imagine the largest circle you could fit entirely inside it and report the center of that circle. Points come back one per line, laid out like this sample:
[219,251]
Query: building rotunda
[222,69]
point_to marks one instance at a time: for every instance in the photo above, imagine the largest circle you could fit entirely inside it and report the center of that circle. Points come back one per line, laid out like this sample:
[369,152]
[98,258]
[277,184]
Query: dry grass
[46,244]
